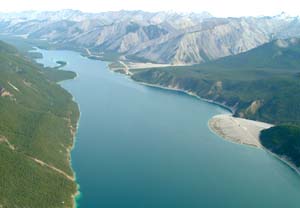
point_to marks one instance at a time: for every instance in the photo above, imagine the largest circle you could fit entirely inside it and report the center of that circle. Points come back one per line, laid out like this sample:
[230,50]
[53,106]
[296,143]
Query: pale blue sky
[215,7]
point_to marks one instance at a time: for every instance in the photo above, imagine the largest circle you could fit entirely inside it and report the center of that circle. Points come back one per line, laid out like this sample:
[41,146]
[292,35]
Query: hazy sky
[215,7]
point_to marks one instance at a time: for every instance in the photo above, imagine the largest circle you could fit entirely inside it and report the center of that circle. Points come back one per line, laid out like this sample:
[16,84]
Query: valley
[141,145]
[246,66]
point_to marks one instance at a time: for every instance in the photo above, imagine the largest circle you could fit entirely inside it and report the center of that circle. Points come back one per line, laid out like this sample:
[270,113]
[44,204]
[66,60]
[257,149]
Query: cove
[141,147]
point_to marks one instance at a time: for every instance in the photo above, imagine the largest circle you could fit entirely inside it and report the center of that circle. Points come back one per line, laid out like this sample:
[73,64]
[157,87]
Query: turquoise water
[140,147]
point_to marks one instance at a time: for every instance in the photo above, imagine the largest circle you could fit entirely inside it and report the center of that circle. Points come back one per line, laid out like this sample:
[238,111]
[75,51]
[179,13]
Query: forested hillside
[37,126]
[262,84]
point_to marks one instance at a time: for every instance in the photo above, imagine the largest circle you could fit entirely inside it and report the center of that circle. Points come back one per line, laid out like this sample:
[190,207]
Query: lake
[141,147]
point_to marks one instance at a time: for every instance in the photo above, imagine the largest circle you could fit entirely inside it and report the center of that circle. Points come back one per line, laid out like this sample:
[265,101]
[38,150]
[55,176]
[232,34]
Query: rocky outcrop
[254,107]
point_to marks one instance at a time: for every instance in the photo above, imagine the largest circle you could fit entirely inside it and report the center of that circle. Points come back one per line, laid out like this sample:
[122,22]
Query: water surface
[140,147]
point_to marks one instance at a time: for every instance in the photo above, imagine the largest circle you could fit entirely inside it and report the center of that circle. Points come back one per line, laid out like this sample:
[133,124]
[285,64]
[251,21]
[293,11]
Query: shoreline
[124,68]
[284,160]
[77,194]
[72,126]
[231,110]
[238,130]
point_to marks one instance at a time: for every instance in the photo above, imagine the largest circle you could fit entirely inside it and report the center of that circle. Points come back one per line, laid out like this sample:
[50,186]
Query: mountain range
[161,37]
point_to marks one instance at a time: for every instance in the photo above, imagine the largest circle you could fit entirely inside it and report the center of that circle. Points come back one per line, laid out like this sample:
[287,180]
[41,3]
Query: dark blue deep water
[140,147]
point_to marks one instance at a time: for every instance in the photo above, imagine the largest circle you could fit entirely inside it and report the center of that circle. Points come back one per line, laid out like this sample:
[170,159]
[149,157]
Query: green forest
[38,121]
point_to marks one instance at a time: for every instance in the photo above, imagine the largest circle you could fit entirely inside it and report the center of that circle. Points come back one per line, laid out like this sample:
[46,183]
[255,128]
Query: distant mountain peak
[284,16]
[160,37]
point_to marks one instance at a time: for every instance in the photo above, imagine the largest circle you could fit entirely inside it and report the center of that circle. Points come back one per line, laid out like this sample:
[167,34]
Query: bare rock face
[254,107]
[230,38]
[161,37]
[223,40]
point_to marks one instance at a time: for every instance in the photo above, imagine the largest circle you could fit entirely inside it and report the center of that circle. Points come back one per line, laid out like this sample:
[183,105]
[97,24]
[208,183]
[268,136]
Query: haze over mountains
[161,37]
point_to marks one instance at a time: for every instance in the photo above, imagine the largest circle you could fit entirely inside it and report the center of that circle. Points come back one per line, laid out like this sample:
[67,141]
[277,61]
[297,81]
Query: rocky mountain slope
[162,37]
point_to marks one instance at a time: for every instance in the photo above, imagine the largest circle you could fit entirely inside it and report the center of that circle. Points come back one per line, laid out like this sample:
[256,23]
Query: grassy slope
[262,84]
[37,121]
